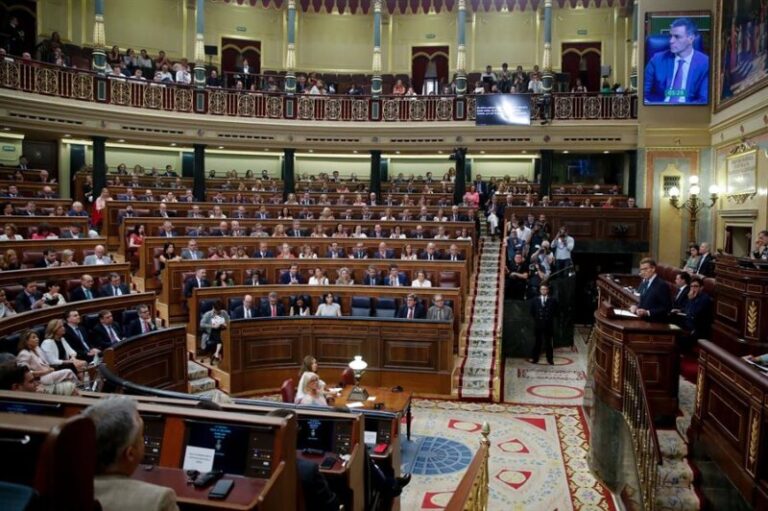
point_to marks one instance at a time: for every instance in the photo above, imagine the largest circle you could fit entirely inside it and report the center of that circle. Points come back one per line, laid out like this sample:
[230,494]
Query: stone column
[199,74]
[635,28]
[461,53]
[460,183]
[290,53]
[99,165]
[198,176]
[547,77]
[376,172]
[376,80]
[289,179]
[99,54]
[545,176]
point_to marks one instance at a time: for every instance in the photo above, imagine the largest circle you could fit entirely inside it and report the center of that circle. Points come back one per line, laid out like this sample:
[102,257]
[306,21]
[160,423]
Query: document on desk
[624,313]
[763,368]
[198,458]
[354,404]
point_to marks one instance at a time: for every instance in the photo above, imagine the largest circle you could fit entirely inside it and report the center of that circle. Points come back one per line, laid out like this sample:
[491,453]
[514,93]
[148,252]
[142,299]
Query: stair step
[675,473]
[670,498]
[201,385]
[216,395]
[195,371]
[672,445]
[683,423]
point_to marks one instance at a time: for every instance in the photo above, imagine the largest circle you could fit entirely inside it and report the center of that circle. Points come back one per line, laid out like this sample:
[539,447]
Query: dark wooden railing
[62,82]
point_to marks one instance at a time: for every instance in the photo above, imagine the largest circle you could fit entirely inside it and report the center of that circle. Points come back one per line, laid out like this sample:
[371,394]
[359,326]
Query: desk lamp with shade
[358,365]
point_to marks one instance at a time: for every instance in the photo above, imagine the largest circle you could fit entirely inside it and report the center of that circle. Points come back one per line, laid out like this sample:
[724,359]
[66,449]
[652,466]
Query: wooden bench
[31,251]
[67,277]
[171,302]
[26,225]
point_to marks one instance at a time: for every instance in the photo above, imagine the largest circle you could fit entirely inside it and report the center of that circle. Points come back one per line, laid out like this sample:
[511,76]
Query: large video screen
[503,109]
[677,64]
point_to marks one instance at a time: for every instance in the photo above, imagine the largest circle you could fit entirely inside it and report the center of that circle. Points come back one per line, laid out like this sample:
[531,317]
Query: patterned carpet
[537,459]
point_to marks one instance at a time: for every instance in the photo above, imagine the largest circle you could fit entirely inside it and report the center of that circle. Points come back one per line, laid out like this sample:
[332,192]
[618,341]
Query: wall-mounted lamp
[693,204]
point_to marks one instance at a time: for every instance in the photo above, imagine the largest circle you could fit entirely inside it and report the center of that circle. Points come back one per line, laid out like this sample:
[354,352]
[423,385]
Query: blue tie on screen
[677,83]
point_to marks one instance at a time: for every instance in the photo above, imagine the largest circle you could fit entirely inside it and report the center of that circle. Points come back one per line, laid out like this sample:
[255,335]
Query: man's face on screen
[680,41]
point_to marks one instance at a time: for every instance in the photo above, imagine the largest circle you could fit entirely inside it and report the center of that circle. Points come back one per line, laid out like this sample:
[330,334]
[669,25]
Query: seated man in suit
[191,251]
[655,301]
[107,332]
[99,256]
[682,281]
[162,211]
[440,311]
[292,276]
[49,260]
[431,253]
[115,286]
[698,313]
[119,451]
[78,338]
[263,252]
[86,291]
[335,251]
[453,253]
[456,216]
[384,252]
[141,325]
[706,265]
[199,280]
[29,298]
[679,74]
[359,252]
[296,230]
[395,278]
[272,308]
[372,277]
[167,230]
[247,310]
[413,309]
[254,278]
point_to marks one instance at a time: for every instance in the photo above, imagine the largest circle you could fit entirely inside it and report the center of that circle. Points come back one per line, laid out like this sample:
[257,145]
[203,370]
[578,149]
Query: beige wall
[346,165]
[10,150]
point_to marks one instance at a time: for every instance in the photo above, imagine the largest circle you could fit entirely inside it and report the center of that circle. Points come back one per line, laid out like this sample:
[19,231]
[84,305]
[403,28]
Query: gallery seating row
[43,206]
[365,302]
[148,264]
[28,225]
[67,278]
[30,252]
[28,188]
[192,227]
[171,301]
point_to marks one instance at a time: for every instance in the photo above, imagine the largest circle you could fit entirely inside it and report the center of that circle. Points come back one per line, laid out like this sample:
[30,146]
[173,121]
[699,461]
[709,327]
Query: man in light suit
[680,74]
[191,251]
[119,451]
[440,311]
[98,257]
[655,301]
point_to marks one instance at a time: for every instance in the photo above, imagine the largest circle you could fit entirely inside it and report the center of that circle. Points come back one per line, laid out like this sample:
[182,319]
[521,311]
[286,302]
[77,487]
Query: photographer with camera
[537,275]
[563,246]
[543,256]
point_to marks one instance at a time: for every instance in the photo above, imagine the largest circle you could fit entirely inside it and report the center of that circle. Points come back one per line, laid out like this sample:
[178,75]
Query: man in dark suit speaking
[655,299]
[679,75]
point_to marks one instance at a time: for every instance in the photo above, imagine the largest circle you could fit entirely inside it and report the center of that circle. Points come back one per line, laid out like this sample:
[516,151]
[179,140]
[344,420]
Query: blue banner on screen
[677,50]
[501,109]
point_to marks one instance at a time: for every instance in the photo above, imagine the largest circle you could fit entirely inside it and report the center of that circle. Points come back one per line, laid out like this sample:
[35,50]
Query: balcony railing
[77,84]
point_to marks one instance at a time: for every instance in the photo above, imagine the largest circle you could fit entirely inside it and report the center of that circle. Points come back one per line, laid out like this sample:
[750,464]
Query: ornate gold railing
[645,444]
[84,85]
[472,492]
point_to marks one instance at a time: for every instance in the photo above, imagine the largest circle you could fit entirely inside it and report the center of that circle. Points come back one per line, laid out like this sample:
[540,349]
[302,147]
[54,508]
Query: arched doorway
[233,51]
[582,60]
[421,57]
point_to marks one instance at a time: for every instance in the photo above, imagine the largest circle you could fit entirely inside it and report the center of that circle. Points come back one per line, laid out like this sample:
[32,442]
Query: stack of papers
[624,313]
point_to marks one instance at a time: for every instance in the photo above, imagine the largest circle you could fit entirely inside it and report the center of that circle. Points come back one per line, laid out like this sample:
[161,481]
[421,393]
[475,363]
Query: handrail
[83,85]
[472,492]
[645,443]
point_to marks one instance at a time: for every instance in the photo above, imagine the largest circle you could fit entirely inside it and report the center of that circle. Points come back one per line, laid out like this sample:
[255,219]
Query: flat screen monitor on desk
[239,449]
[31,408]
[325,434]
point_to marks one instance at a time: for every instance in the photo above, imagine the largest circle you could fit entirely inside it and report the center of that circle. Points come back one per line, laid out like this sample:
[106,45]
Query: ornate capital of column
[290,56]
[292,4]
[548,4]
[99,38]
[462,5]
[377,6]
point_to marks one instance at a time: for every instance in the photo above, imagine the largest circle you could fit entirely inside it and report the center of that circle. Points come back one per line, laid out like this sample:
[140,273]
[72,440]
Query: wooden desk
[395,402]
[246,494]
[654,344]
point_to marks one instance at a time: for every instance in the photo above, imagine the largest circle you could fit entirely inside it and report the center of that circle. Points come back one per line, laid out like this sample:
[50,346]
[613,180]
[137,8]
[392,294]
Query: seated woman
[472,198]
[692,263]
[223,279]
[31,355]
[421,280]
[408,254]
[310,392]
[53,296]
[68,258]
[328,308]
[300,307]
[345,278]
[10,233]
[319,278]
[212,323]
[56,351]
[307,253]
